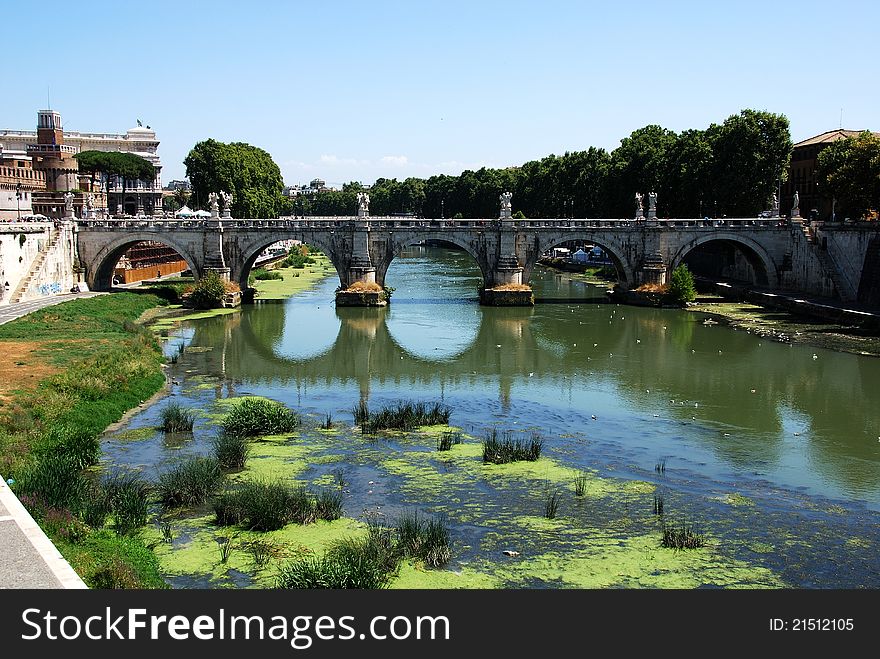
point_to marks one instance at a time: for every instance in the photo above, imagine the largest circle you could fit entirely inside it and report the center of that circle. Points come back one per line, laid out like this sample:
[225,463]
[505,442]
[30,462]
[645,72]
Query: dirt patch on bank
[21,367]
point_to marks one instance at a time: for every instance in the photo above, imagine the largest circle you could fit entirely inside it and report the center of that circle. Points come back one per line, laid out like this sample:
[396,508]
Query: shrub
[176,418]
[231,451]
[252,417]
[190,483]
[208,292]
[681,286]
[262,274]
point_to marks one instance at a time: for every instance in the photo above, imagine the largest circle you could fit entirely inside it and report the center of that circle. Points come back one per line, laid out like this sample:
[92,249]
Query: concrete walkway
[12,311]
[28,559]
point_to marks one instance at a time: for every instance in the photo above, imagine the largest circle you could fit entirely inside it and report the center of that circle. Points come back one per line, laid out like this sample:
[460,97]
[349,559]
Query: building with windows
[18,183]
[52,151]
[802,176]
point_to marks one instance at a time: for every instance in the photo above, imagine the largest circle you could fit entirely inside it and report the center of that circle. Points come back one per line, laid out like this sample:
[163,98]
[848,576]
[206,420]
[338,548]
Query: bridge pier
[361,288]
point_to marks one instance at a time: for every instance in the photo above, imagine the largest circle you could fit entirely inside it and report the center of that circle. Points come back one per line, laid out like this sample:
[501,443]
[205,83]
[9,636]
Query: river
[771,450]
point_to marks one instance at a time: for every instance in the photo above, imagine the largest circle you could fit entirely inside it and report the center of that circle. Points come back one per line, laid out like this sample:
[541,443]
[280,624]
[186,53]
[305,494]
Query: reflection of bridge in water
[647,360]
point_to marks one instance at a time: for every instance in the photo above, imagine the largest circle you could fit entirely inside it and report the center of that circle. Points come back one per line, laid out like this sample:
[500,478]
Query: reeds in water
[405,415]
[658,504]
[447,440]
[507,449]
[269,506]
[176,418]
[231,451]
[580,484]
[681,536]
[551,504]
[190,483]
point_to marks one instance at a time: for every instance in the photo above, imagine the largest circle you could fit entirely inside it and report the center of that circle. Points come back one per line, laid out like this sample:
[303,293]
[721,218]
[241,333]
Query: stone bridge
[763,251]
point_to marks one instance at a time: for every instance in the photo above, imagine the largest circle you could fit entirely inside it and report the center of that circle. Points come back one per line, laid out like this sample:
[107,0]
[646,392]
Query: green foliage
[127,495]
[267,275]
[849,170]
[372,562]
[252,417]
[56,481]
[189,483]
[681,536]
[176,418]
[507,449]
[518,215]
[127,166]
[401,416]
[231,451]
[447,439]
[262,506]
[248,172]
[295,260]
[681,286]
[106,560]
[208,292]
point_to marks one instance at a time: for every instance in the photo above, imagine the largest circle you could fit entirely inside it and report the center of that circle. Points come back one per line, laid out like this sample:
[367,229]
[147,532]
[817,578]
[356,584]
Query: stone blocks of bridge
[355,298]
[501,297]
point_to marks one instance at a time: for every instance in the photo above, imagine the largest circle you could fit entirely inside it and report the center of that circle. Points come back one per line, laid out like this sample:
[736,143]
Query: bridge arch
[401,240]
[99,269]
[762,264]
[617,252]
[241,269]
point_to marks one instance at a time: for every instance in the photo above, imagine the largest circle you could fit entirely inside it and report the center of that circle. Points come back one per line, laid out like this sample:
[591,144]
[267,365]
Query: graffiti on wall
[50,289]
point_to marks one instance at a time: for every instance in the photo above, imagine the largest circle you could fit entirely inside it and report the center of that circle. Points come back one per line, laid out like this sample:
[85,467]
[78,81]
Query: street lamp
[18,198]
[442,208]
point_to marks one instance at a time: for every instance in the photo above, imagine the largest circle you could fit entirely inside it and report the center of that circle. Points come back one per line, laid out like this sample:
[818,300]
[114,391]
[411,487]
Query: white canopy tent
[202,214]
[186,211]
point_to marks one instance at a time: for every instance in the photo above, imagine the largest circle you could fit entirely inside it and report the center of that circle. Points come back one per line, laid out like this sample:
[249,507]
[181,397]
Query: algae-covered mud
[767,452]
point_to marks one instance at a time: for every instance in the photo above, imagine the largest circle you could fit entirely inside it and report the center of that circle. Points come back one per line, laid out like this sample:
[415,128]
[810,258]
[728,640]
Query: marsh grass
[231,451]
[190,483]
[371,562]
[551,504]
[167,531]
[658,504]
[252,417]
[403,415]
[260,551]
[269,506]
[224,544]
[176,418]
[327,423]
[507,449]
[448,439]
[54,481]
[128,495]
[660,467]
[580,484]
[681,536]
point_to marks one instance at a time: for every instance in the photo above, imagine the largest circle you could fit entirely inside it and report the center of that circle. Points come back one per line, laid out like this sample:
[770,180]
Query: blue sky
[356,90]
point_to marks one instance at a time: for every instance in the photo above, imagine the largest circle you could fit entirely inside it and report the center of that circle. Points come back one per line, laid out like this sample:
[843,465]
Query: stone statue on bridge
[226,198]
[640,209]
[215,206]
[68,204]
[775,207]
[363,204]
[652,205]
[506,206]
[796,205]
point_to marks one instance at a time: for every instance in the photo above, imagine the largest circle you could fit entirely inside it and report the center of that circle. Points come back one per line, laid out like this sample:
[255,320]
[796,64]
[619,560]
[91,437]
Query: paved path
[12,311]
[28,559]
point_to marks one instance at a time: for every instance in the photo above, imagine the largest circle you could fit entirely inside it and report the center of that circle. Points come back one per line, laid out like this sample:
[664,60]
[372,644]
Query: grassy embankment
[95,363]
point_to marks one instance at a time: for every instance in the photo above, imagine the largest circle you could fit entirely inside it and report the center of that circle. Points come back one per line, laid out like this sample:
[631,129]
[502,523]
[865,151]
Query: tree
[113,164]
[849,170]
[681,286]
[245,171]
[750,152]
[640,164]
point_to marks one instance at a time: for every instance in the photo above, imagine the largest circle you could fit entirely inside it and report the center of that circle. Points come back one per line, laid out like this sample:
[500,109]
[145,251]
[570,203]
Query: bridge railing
[388,223]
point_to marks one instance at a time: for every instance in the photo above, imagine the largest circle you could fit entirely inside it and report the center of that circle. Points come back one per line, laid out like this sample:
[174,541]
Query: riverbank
[786,327]
[294,280]
[86,363]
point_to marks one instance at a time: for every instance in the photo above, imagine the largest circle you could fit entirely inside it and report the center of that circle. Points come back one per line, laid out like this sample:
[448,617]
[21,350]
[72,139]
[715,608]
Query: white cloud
[395,161]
